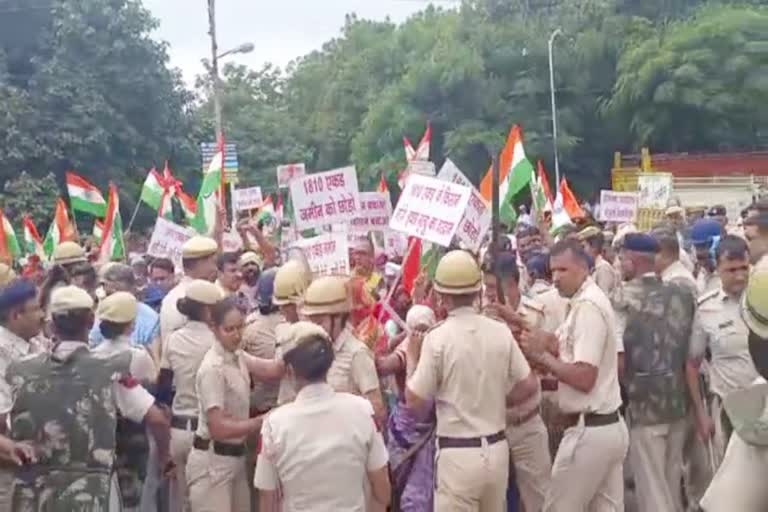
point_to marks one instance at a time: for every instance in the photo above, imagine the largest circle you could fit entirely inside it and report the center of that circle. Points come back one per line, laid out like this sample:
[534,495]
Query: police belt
[590,419]
[184,423]
[469,442]
[225,449]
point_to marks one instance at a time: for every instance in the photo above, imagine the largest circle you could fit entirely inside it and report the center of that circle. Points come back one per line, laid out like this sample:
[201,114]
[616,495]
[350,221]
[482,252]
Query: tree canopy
[83,86]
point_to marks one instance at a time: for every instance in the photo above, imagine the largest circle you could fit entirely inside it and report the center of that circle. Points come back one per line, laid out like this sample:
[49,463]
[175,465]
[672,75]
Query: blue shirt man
[117,277]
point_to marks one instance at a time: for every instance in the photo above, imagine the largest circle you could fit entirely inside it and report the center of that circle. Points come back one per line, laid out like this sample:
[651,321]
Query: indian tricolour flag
[112,247]
[188,204]
[208,197]
[33,243]
[152,191]
[61,229]
[9,244]
[98,232]
[85,197]
[515,173]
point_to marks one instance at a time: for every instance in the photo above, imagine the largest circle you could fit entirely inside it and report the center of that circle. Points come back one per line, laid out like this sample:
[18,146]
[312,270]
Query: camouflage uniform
[67,408]
[657,319]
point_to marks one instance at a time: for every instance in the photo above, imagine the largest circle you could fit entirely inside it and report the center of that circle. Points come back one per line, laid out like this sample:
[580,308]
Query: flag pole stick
[133,217]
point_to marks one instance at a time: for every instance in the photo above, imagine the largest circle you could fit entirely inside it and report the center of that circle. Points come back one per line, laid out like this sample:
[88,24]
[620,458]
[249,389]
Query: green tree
[28,195]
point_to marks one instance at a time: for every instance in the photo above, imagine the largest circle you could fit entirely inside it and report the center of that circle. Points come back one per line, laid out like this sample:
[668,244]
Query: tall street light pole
[216,85]
[556,33]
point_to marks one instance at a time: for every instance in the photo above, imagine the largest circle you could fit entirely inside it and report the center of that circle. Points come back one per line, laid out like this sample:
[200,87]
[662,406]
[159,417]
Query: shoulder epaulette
[707,296]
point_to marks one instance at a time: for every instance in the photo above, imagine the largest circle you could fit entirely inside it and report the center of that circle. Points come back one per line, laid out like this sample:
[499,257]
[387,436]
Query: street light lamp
[216,83]
[243,48]
[556,33]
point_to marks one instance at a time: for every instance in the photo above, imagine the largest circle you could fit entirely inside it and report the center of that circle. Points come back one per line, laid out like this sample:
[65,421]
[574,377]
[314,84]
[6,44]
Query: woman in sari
[411,439]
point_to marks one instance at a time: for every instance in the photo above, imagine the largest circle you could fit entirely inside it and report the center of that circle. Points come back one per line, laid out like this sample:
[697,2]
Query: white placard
[449,172]
[285,173]
[375,211]
[327,254]
[475,223]
[477,217]
[231,241]
[618,206]
[167,240]
[324,198]
[421,167]
[395,243]
[247,198]
[430,209]
[655,189]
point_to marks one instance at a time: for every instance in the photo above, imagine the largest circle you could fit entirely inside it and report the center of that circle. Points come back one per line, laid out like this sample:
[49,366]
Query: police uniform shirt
[318,462]
[353,369]
[142,366]
[678,274]
[12,347]
[532,313]
[718,325]
[451,354]
[186,349]
[170,318]
[260,340]
[605,275]
[222,382]
[131,399]
[555,305]
[707,282]
[588,335]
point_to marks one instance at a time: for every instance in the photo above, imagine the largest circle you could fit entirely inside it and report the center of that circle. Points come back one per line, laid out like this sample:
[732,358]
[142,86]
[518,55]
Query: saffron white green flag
[152,191]
[85,197]
[112,247]
[208,198]
[9,244]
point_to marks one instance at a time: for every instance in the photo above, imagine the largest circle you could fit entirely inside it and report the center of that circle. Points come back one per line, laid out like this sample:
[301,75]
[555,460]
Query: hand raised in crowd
[17,453]
[505,313]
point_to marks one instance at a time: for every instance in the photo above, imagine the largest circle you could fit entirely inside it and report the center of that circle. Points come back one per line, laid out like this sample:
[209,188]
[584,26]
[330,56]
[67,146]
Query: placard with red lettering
[477,218]
[167,240]
[324,198]
[431,209]
[475,223]
[327,254]
[285,173]
[618,206]
[449,172]
[374,214]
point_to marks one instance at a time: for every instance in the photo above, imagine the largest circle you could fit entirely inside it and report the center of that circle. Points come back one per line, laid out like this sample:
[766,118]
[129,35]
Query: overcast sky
[281,30]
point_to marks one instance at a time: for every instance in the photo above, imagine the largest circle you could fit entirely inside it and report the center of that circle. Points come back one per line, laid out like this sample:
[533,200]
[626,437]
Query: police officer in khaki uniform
[305,449]
[719,329]
[472,466]
[526,433]
[184,353]
[605,275]
[542,291]
[587,472]
[291,281]
[327,303]
[216,469]
[199,262]
[740,480]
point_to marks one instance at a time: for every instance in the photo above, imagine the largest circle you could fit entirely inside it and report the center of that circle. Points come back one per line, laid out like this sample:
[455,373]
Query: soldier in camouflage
[66,404]
[655,321]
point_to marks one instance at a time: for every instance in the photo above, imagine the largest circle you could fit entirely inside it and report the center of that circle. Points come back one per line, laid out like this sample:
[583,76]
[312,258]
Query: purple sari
[412,471]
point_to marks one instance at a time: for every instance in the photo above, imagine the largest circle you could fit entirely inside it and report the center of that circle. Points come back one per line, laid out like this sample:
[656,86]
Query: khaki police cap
[754,304]
[249,257]
[674,210]
[327,296]
[203,292]
[199,247]
[291,281]
[297,333]
[120,307]
[589,232]
[69,298]
[68,252]
[457,274]
[6,274]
